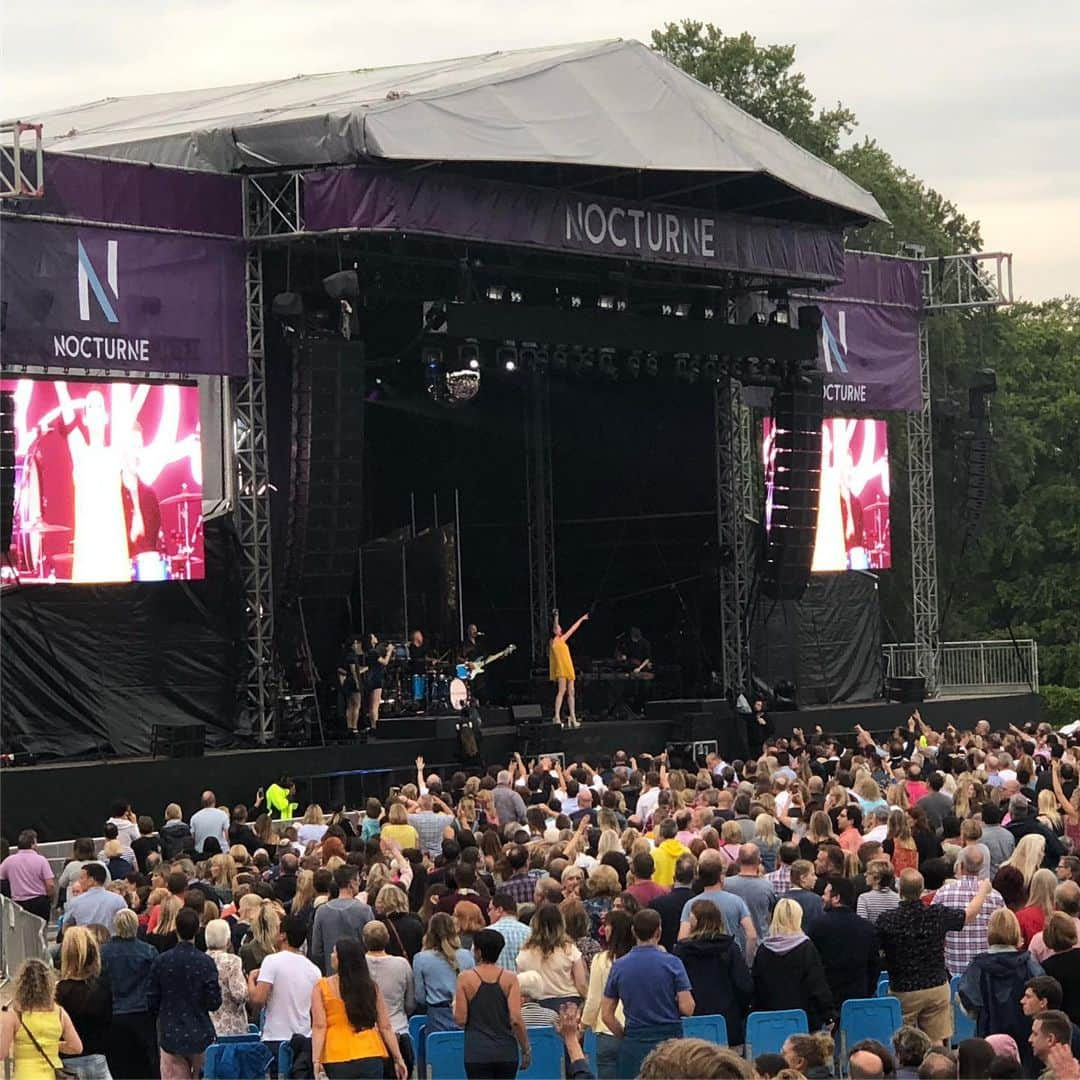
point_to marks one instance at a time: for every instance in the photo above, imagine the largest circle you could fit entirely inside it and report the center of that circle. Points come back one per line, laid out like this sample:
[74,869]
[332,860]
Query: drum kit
[434,684]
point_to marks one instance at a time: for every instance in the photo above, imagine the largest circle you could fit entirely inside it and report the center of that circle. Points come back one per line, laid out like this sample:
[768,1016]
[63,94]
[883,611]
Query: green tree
[761,79]
[758,79]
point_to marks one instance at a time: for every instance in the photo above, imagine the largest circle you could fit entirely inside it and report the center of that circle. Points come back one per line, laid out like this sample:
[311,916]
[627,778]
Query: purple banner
[123,193]
[366,198]
[869,346]
[98,298]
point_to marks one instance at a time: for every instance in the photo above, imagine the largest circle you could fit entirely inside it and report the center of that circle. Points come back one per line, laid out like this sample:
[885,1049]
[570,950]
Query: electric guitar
[476,667]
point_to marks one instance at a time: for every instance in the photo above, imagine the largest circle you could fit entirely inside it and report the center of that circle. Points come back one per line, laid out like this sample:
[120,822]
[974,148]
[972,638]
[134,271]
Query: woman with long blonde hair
[1049,814]
[35,1031]
[899,844]
[1040,904]
[164,936]
[766,841]
[868,794]
[223,877]
[550,951]
[897,797]
[263,939]
[436,968]
[1027,856]
[87,998]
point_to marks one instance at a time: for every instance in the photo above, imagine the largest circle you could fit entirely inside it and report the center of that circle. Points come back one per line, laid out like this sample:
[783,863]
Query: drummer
[419,653]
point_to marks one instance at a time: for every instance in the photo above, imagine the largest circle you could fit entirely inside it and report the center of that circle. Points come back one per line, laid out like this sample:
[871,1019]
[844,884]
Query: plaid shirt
[515,934]
[522,887]
[429,827]
[780,879]
[962,946]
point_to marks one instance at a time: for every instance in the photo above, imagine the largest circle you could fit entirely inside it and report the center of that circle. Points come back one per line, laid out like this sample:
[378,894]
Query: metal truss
[540,507]
[732,547]
[273,205]
[253,488]
[15,183]
[950,283]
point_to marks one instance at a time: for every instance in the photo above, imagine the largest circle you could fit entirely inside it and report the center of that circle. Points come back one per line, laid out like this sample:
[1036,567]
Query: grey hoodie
[781,944]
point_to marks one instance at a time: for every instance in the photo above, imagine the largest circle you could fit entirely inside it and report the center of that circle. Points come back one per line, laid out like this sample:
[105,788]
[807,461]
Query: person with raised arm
[561,669]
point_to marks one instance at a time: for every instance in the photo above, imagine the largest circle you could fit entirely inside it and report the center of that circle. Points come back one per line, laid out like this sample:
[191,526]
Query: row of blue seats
[963,1025]
[442,1052]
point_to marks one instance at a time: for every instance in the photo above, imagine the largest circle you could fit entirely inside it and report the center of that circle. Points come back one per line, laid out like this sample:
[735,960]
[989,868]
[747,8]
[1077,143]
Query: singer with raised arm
[561,669]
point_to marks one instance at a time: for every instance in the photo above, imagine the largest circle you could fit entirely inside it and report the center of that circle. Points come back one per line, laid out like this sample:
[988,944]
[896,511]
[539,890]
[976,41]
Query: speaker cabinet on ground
[795,487]
[526,714]
[178,740]
[908,688]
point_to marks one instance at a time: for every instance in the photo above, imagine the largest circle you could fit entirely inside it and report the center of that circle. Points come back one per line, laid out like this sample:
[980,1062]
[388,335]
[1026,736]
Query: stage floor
[69,799]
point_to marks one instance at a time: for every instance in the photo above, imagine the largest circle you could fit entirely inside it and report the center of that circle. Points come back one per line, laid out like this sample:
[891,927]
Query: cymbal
[43,527]
[186,496]
[882,505]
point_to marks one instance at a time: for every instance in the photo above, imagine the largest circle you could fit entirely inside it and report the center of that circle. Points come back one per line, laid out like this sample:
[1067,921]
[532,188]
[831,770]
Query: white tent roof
[613,104]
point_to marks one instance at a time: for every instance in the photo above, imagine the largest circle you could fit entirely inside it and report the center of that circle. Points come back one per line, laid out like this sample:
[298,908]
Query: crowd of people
[616,898]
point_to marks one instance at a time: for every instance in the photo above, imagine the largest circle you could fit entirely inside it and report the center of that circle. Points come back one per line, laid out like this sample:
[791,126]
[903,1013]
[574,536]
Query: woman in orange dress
[561,669]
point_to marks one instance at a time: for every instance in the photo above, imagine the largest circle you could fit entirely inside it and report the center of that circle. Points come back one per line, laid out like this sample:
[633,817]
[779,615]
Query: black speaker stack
[7,468]
[177,740]
[789,544]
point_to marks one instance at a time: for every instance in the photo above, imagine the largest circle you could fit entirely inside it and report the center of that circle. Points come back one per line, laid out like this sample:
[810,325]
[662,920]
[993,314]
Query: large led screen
[108,483]
[853,512]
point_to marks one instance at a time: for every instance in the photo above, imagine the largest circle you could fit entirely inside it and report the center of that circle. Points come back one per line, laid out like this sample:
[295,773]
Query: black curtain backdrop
[828,643]
[90,669]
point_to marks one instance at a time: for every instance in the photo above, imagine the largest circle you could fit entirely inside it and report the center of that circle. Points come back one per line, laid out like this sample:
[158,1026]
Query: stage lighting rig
[532,356]
[607,363]
[682,366]
[461,386]
[495,293]
[605,303]
[758,319]
[652,364]
[559,358]
[633,364]
[344,289]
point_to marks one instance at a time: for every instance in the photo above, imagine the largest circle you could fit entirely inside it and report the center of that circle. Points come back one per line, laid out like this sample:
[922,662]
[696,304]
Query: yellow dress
[47,1029]
[560,666]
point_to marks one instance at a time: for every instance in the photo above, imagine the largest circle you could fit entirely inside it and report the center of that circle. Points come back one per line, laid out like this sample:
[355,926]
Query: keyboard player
[633,650]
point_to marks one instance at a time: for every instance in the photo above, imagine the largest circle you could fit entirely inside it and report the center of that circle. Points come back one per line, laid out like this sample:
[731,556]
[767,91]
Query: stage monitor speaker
[526,714]
[695,727]
[796,486]
[177,740]
[906,688]
[7,468]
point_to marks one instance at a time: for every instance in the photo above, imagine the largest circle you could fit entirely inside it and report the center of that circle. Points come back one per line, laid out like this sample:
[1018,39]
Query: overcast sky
[980,100]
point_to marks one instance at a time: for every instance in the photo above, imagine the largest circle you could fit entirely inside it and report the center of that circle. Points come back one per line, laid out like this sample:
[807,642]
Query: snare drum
[459,694]
[150,566]
[462,671]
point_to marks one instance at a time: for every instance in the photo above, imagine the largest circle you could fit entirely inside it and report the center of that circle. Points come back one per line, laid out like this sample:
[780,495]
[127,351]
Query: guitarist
[469,651]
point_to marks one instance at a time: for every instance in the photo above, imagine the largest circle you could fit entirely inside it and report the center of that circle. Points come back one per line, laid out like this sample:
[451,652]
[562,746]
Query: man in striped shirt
[780,878]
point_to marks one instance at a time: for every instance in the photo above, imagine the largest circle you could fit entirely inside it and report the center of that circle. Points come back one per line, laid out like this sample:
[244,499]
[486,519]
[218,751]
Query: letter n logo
[833,350]
[89,280]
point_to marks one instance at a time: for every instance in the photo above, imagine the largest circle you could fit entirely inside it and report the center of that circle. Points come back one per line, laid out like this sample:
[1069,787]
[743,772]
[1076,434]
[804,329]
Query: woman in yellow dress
[34,1030]
[561,669]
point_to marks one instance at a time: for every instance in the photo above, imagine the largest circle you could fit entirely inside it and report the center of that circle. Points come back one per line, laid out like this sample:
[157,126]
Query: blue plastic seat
[963,1025]
[236,1058]
[883,985]
[417,1029]
[711,1028]
[445,1055]
[767,1031]
[284,1061]
[547,1054]
[868,1018]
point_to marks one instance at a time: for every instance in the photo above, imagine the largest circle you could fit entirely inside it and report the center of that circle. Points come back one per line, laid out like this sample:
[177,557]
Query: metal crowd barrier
[974,667]
[22,937]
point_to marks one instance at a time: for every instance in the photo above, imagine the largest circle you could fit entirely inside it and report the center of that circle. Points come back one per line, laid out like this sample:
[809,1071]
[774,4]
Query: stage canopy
[609,105]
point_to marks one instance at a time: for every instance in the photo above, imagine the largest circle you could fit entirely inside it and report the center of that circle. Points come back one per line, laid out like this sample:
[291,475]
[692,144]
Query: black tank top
[488,1035]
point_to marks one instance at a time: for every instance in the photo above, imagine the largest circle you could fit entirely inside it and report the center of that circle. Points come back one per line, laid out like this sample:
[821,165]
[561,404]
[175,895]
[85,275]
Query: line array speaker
[7,468]
[789,544]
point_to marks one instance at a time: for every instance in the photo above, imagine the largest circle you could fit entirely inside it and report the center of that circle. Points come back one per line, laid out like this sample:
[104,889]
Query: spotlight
[666,309]
[633,364]
[507,356]
[516,296]
[710,313]
[621,305]
[757,319]
[605,303]
[575,302]
[495,292]
[607,363]
[652,363]
[469,354]
[780,317]
[559,357]
[682,310]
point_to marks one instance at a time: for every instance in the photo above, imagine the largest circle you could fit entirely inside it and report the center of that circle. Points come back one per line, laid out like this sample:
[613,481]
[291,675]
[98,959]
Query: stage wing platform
[72,799]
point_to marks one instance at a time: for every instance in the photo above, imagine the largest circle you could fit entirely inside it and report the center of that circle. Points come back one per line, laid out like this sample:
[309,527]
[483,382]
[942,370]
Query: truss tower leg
[541,514]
